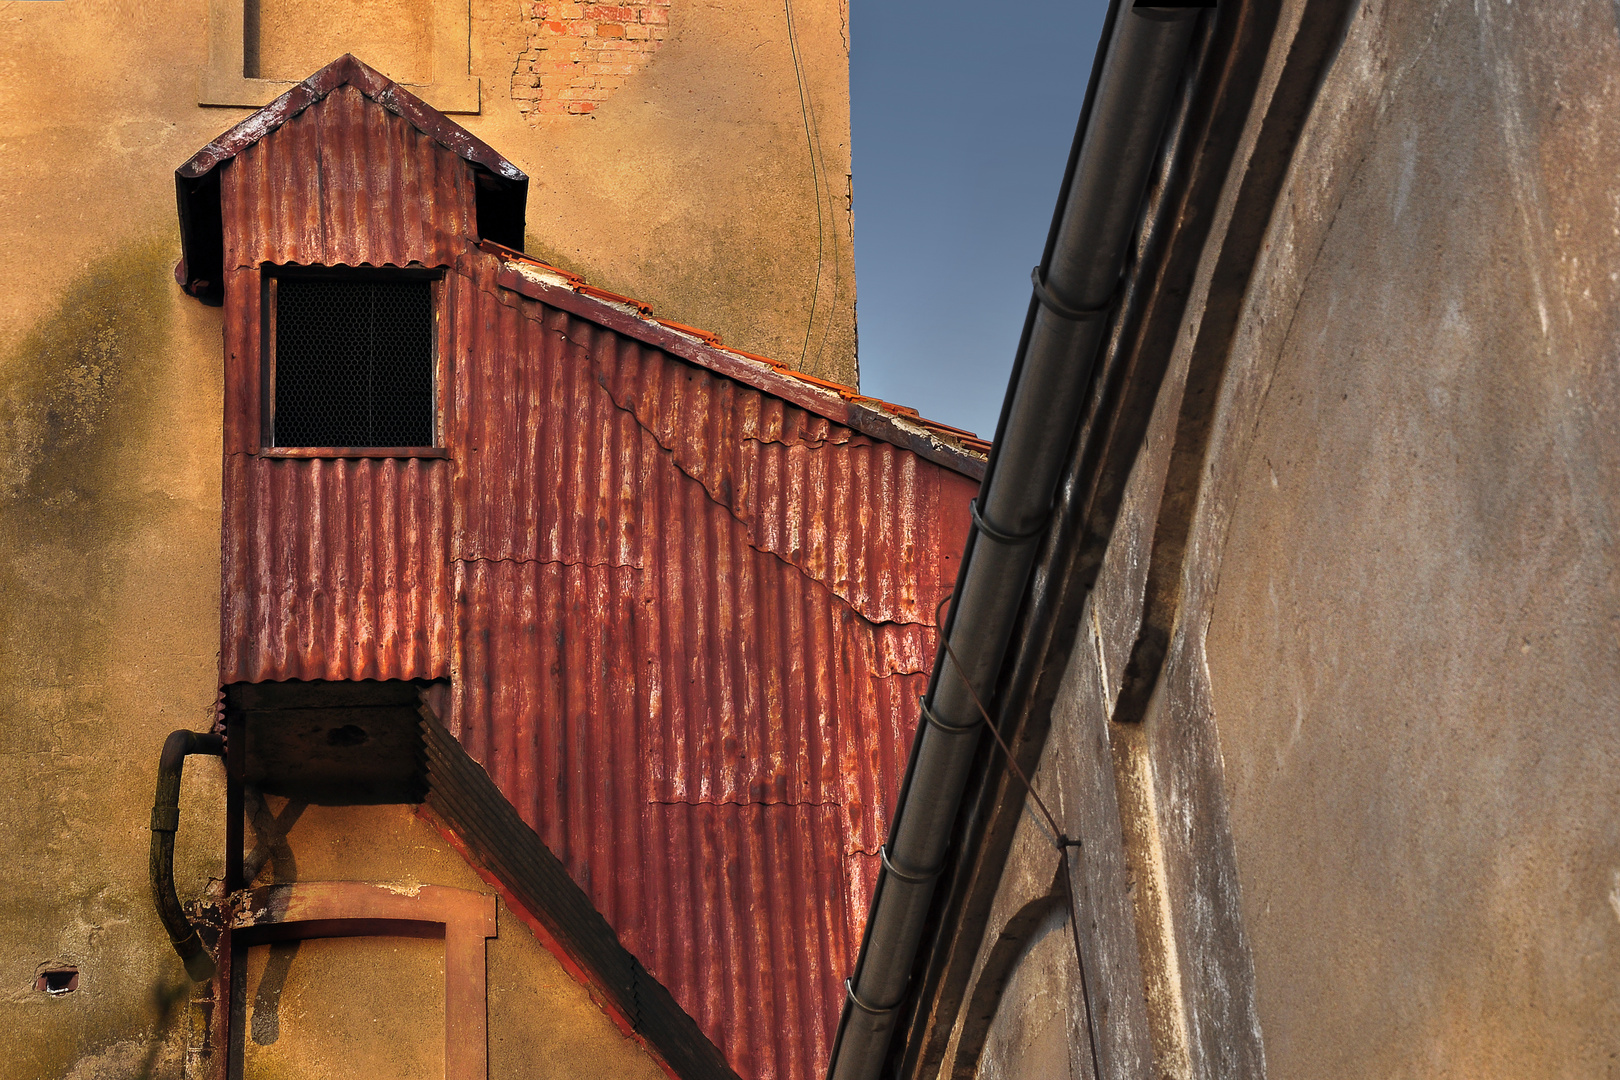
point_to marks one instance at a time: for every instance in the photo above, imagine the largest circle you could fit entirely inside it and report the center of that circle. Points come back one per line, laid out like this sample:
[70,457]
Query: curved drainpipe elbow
[165,821]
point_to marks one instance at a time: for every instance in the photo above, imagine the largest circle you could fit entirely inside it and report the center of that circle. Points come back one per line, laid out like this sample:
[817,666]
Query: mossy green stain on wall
[73,398]
[90,418]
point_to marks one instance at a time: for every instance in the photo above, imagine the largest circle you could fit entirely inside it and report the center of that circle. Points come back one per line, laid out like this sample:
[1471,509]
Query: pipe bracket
[908,876]
[1062,310]
[1000,535]
[849,989]
[935,722]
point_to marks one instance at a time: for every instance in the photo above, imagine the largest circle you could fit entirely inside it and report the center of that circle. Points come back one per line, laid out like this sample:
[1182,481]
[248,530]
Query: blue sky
[962,116]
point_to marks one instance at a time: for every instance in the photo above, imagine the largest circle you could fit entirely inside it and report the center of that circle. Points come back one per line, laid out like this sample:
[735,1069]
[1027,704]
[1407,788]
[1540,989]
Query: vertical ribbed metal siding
[687,623]
[693,623]
[346,182]
[333,569]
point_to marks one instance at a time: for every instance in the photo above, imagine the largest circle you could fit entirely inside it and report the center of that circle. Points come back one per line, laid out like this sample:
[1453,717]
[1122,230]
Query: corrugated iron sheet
[686,621]
[346,182]
[693,622]
[335,569]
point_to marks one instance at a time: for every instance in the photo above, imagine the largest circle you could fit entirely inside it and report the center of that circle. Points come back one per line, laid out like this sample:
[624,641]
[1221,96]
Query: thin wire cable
[821,169]
[1060,839]
[810,142]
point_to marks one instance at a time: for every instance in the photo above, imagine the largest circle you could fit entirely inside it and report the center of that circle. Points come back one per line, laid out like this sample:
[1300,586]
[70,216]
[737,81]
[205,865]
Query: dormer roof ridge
[502,187]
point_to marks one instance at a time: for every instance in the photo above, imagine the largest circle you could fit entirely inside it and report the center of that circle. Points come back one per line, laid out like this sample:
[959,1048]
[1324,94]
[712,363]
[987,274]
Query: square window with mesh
[353,362]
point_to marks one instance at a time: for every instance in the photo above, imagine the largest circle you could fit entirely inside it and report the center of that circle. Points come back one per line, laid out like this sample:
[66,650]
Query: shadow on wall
[273,849]
[74,397]
[76,401]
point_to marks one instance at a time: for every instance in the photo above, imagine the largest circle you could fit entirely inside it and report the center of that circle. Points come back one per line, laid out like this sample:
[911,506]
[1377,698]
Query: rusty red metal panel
[346,182]
[686,621]
[693,622]
[335,569]
[754,928]
[242,339]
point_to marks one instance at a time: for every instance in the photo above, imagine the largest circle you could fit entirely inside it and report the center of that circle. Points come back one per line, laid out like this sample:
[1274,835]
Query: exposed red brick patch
[579,54]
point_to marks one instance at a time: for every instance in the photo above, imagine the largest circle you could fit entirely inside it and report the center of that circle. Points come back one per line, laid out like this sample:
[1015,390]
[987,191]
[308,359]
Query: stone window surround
[222,81]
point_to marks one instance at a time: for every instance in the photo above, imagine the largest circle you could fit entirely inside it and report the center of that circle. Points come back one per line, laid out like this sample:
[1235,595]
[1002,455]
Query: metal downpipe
[165,821]
[1074,293]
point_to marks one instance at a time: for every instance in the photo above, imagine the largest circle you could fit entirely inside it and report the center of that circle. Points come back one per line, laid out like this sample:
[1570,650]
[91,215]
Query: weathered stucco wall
[689,185]
[1414,652]
[109,523]
[710,178]
[388,992]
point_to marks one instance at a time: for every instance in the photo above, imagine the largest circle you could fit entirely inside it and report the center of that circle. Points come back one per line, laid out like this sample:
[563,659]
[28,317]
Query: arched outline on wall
[1010,947]
[322,909]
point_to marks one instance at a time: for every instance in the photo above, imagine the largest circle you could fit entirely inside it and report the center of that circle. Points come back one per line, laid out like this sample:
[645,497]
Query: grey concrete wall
[1414,652]
[1371,816]
[1030,1036]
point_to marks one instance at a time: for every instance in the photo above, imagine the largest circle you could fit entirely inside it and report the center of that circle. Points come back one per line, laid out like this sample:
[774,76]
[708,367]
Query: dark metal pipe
[165,821]
[1122,124]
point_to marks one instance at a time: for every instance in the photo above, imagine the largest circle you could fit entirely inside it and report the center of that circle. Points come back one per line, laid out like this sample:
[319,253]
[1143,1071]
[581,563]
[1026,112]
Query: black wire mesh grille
[354,363]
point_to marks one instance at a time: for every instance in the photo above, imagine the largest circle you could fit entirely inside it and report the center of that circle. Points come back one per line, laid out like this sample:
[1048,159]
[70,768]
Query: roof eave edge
[626,319]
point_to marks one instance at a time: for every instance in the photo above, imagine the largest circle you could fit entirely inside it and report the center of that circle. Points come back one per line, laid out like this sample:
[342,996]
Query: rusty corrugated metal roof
[961,450]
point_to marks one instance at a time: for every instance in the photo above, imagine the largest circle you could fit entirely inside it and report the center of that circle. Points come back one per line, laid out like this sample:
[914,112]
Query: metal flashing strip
[1062,310]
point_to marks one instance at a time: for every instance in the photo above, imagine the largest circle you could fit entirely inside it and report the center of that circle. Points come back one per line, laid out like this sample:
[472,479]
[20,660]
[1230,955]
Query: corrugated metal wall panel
[242,339]
[753,924]
[335,569]
[346,182]
[844,508]
[549,470]
[686,622]
[693,625]
[270,197]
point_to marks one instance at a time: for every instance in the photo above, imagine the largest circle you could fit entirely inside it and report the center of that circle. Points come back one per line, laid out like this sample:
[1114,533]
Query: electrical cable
[811,141]
[1060,840]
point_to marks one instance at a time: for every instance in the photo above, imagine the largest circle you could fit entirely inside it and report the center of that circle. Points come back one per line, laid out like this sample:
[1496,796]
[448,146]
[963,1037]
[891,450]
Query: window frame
[269,276]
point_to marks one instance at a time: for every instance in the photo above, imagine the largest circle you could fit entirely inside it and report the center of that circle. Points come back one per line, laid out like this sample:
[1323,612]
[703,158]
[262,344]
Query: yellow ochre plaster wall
[691,183]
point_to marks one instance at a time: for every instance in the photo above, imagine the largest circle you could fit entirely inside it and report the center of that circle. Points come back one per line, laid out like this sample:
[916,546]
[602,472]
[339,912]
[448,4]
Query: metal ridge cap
[197,196]
[349,70]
